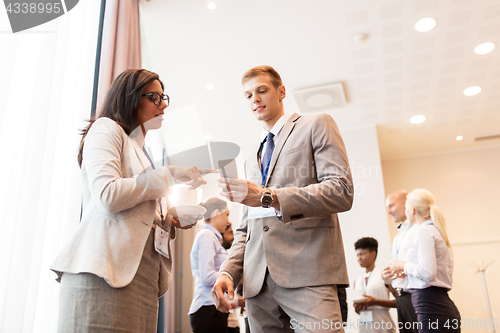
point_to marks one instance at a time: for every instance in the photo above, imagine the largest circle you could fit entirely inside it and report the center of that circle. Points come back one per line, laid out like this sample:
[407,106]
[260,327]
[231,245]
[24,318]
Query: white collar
[277,127]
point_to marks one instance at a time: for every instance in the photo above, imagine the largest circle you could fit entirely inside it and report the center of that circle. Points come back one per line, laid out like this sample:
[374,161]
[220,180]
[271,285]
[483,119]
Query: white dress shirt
[207,255]
[429,261]
[372,284]
[276,130]
[400,245]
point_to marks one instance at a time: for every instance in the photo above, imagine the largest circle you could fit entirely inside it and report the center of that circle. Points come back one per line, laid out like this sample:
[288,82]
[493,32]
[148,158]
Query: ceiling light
[472,91]
[359,38]
[212,5]
[208,137]
[417,119]
[210,87]
[319,100]
[459,138]
[484,48]
[425,24]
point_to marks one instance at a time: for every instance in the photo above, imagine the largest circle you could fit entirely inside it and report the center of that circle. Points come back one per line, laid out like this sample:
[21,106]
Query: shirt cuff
[407,268]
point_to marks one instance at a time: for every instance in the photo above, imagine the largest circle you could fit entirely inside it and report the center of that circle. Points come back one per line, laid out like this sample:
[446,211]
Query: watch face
[266,200]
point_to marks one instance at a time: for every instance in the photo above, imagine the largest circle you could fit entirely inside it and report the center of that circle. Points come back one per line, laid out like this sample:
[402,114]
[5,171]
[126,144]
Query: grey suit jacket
[311,174]
[120,192]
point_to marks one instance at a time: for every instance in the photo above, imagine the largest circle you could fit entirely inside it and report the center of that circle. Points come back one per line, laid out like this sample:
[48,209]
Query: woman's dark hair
[122,101]
[211,205]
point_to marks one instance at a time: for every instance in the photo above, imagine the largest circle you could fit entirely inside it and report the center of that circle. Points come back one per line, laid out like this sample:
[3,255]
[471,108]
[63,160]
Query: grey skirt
[87,303]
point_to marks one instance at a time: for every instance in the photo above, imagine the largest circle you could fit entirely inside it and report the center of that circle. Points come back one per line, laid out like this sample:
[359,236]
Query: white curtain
[46,83]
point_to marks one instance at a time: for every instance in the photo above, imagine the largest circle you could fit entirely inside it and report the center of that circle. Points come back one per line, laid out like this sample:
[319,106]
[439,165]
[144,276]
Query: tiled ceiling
[393,75]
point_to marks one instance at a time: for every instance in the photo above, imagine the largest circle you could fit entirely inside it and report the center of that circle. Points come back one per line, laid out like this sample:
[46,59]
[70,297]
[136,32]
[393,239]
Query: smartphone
[227,169]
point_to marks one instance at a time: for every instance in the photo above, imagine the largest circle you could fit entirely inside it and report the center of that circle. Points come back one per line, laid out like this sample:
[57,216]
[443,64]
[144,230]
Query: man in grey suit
[289,246]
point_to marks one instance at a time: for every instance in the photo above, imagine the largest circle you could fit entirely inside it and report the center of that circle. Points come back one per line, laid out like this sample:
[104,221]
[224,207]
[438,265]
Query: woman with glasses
[117,264]
[428,266]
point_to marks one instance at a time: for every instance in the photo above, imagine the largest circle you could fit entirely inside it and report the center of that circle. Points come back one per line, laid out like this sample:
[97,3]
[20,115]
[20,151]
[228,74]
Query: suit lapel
[283,136]
[135,150]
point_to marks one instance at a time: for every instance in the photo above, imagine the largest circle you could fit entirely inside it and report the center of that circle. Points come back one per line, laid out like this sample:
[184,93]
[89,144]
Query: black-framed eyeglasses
[156,98]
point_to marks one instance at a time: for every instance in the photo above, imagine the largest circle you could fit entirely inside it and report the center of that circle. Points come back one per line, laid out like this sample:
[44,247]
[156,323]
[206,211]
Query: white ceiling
[395,74]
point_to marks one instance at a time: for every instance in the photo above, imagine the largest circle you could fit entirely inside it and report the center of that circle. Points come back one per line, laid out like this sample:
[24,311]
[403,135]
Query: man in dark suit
[289,246]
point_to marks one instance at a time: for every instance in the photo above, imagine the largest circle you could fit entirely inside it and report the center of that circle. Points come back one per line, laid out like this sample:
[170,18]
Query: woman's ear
[215,213]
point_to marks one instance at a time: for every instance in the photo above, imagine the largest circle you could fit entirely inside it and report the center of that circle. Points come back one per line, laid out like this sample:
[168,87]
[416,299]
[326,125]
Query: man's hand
[241,302]
[222,285]
[240,190]
[357,307]
[368,302]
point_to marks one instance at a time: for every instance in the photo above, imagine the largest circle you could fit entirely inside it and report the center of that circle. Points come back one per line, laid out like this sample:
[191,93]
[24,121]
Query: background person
[289,246]
[111,275]
[395,205]
[374,311]
[429,265]
[207,255]
[233,325]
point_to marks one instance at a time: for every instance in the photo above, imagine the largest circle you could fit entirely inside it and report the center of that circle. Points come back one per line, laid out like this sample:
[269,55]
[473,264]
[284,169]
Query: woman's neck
[139,135]
[419,220]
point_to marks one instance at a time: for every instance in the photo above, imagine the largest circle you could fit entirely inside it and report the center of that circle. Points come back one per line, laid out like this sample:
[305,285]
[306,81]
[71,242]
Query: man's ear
[281,92]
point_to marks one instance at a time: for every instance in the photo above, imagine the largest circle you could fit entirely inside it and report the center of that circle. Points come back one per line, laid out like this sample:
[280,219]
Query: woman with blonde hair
[207,255]
[428,266]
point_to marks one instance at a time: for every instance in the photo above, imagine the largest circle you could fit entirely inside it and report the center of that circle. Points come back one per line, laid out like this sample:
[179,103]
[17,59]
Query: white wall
[465,185]
[367,218]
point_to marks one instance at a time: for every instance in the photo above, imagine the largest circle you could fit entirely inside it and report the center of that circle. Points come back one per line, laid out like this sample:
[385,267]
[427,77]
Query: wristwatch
[266,200]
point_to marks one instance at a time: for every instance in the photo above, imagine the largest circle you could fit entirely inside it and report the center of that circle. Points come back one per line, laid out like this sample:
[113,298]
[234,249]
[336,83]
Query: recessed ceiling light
[425,24]
[208,137]
[484,48]
[210,87]
[459,138]
[417,119]
[472,91]
[359,38]
[319,100]
[212,5]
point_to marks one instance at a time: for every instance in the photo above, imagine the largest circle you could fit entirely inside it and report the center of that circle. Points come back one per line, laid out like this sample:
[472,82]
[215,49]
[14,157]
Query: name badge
[162,238]
[366,317]
[260,212]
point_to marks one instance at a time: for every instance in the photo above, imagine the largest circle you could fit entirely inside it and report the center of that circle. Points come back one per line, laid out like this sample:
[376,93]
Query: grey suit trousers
[306,310]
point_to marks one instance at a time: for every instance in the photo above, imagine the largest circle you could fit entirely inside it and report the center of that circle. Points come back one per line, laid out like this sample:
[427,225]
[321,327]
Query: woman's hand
[187,221]
[394,270]
[191,175]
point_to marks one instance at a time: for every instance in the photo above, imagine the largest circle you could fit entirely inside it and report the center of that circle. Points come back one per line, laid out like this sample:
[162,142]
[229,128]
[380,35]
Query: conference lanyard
[365,284]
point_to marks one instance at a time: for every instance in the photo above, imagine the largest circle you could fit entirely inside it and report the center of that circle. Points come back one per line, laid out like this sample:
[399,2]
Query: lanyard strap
[153,166]
[365,280]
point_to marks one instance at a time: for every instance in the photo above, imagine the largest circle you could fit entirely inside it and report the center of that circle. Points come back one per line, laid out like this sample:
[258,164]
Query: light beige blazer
[311,174]
[120,192]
